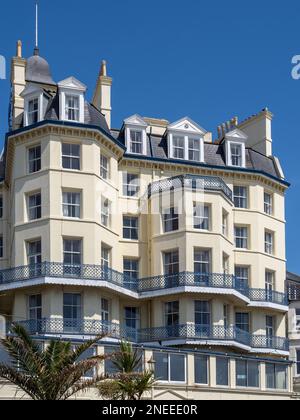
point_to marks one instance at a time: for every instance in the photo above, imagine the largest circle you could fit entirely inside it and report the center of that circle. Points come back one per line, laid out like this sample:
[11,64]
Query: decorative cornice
[203,169]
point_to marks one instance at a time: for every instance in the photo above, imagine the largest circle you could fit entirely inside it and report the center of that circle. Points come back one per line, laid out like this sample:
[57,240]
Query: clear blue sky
[170,58]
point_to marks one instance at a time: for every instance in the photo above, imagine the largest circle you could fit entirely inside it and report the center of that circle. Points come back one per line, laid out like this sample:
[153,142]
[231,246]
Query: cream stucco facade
[143,233]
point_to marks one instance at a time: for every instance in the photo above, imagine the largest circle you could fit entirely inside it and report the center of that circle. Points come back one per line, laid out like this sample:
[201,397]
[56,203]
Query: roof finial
[19,49]
[103,71]
[36,49]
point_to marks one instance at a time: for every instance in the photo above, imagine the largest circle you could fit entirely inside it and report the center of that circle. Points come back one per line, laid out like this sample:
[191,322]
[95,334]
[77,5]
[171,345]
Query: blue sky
[208,60]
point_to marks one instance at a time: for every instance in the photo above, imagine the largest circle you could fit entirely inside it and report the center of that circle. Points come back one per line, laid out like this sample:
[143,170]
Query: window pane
[270,376]
[281,377]
[201,370]
[222,371]
[241,373]
[161,366]
[253,374]
[177,368]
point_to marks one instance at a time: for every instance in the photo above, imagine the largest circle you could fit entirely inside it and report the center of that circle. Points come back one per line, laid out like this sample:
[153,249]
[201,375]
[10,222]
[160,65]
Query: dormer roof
[73,84]
[187,125]
[136,120]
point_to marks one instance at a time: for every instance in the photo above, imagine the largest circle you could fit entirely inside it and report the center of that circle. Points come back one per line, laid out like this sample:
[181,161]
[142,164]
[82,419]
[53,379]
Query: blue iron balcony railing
[140,286]
[262,295]
[194,332]
[192,182]
[75,327]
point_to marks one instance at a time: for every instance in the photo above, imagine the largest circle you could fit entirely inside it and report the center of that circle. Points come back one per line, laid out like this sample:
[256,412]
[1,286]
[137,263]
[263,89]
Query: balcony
[217,334]
[191,182]
[179,334]
[98,276]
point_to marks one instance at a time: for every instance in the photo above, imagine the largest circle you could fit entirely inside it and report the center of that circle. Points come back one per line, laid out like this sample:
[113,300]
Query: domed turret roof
[38,70]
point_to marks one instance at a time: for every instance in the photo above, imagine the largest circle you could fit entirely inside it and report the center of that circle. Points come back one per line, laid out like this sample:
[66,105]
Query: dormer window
[178,147]
[72,108]
[186,141]
[71,100]
[33,111]
[136,142]
[194,150]
[136,135]
[35,104]
[235,148]
[236,154]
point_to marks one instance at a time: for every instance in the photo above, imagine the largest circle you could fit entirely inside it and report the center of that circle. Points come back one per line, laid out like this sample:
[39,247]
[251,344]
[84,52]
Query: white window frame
[269,242]
[131,228]
[35,308]
[36,96]
[170,217]
[269,206]
[169,369]
[130,273]
[72,253]
[70,206]
[173,262]
[203,218]
[239,198]
[241,238]
[75,108]
[35,207]
[105,212]
[225,217]
[204,262]
[105,312]
[35,160]
[104,167]
[128,139]
[70,156]
[135,186]
[244,276]
[105,256]
[229,144]
[186,137]
[64,92]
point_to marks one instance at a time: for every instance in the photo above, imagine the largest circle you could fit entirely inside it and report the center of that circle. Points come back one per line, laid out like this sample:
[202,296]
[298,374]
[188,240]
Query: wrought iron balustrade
[206,333]
[140,286]
[262,295]
[193,182]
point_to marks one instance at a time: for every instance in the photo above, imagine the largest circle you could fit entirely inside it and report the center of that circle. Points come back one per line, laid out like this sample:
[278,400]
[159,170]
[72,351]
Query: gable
[136,120]
[236,135]
[187,125]
[72,83]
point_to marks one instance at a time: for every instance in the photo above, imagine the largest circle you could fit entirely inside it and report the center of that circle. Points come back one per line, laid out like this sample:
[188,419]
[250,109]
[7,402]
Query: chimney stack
[18,69]
[102,95]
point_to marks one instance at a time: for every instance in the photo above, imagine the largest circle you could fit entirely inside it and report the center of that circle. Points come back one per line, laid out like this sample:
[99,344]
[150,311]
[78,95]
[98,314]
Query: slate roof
[91,114]
[294,278]
[157,147]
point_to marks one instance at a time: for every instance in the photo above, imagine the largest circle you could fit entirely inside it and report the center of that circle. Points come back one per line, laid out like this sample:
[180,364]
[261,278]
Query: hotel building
[154,232]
